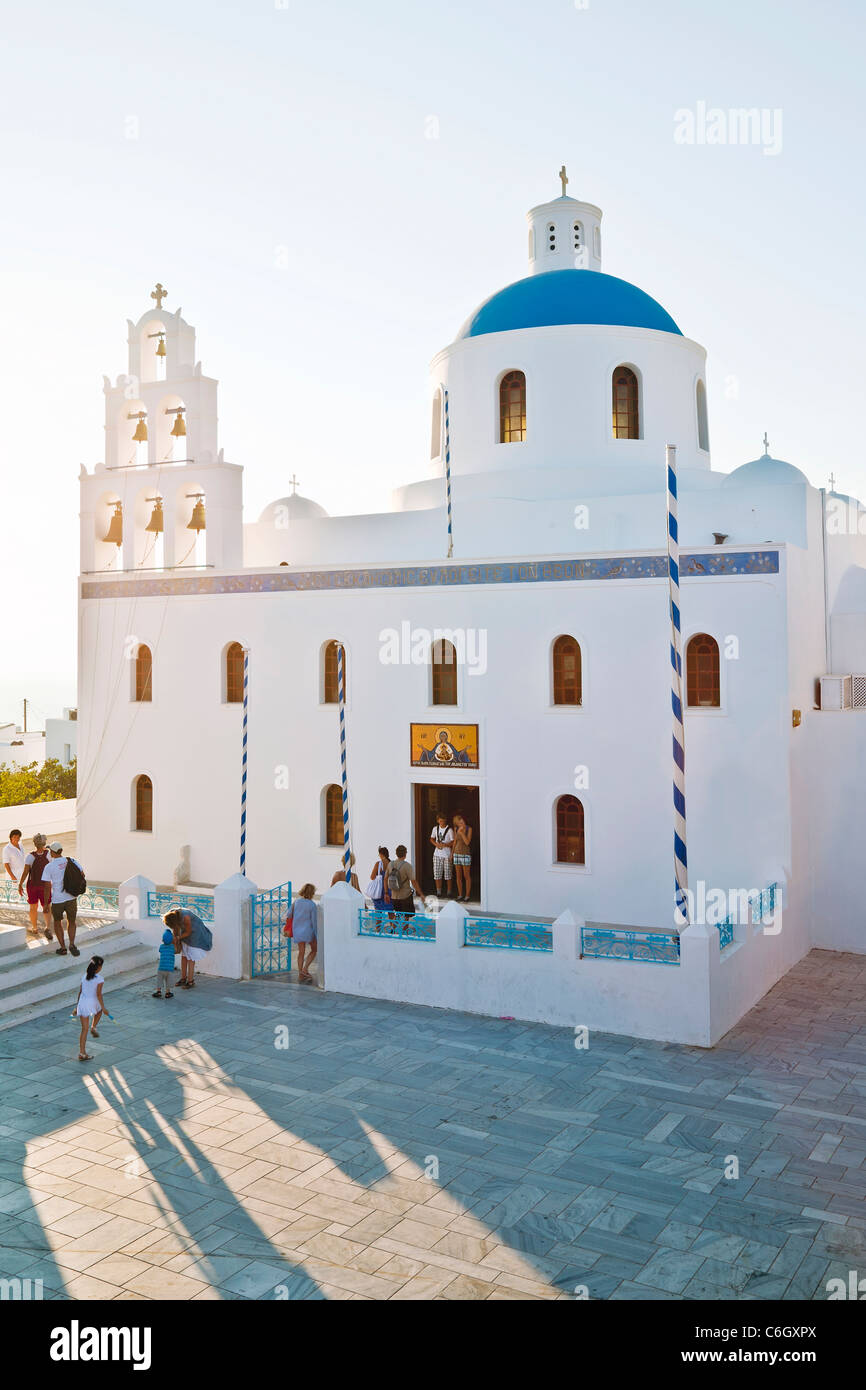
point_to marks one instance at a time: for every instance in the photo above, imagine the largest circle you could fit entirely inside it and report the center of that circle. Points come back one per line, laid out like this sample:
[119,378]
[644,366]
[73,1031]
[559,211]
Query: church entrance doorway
[431,801]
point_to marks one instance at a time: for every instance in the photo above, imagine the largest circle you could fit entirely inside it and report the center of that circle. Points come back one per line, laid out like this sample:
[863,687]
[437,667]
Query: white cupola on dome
[564,234]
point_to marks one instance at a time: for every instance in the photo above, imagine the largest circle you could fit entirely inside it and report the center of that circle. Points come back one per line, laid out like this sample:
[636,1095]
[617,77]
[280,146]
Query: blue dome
[765,470]
[567,296]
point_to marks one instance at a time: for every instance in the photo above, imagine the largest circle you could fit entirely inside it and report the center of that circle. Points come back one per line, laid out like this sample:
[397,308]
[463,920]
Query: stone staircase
[34,981]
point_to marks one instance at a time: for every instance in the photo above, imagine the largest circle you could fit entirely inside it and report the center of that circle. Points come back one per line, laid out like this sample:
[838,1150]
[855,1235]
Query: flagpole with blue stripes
[681,872]
[244,763]
[448,472]
[341,684]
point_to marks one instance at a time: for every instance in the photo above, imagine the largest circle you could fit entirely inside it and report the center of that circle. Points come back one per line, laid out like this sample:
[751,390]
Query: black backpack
[74,881]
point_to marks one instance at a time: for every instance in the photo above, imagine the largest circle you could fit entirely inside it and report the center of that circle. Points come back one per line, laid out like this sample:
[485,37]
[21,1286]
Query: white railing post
[132,899]
[231,928]
[338,925]
[566,930]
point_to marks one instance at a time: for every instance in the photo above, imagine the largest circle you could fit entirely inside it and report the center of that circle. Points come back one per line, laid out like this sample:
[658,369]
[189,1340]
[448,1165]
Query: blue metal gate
[271,950]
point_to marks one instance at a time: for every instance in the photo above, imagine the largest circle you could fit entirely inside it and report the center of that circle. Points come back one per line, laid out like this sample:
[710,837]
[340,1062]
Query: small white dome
[294,508]
[766,470]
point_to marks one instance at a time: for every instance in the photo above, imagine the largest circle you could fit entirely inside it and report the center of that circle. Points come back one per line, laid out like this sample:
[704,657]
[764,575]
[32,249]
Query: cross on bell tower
[159,294]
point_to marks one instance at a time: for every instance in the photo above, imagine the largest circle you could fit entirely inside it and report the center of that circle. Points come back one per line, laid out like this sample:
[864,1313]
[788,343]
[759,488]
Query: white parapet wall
[51,818]
[695,1002]
[229,922]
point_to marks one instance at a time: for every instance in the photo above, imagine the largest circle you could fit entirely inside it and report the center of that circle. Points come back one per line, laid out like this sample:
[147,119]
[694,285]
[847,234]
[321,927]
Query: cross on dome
[159,294]
[766,443]
[294,482]
[563,178]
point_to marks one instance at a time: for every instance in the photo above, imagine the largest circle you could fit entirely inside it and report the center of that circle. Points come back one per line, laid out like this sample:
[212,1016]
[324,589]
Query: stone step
[33,962]
[63,1005]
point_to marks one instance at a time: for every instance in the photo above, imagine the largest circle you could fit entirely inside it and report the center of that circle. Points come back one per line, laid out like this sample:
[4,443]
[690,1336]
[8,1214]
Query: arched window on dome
[443,671]
[331,673]
[233,674]
[567,671]
[570,831]
[332,815]
[703,683]
[551,236]
[577,231]
[436,426]
[143,675]
[626,417]
[142,803]
[512,408]
[701,410]
[532,243]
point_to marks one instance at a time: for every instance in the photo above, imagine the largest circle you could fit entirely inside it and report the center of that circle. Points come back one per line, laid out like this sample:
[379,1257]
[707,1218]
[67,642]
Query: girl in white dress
[89,1007]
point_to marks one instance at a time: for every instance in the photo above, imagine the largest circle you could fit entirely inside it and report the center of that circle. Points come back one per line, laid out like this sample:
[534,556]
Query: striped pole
[244,763]
[681,873]
[341,683]
[448,473]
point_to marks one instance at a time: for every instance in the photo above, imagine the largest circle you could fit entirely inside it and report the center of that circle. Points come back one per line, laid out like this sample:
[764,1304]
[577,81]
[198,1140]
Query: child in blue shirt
[165,972]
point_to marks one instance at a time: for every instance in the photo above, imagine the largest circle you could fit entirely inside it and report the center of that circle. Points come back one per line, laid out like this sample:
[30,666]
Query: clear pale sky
[298,137]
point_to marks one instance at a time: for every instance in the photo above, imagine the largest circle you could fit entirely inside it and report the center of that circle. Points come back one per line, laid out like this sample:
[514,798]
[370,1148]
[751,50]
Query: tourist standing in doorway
[192,938]
[377,888]
[442,840]
[462,857]
[64,903]
[37,892]
[89,1006]
[304,917]
[402,884]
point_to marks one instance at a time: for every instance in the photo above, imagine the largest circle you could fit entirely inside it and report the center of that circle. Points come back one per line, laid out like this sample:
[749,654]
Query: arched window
[143,803]
[531,244]
[512,408]
[701,408]
[703,689]
[436,427]
[551,236]
[234,659]
[567,672]
[626,424]
[570,837]
[143,674]
[333,815]
[331,674]
[578,236]
[443,658]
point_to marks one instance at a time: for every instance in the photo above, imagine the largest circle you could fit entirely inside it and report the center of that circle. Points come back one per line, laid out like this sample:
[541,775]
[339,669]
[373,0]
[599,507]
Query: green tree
[21,786]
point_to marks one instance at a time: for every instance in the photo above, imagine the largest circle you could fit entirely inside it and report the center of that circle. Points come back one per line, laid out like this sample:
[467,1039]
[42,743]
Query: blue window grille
[271,949]
[616,943]
[396,926]
[160,903]
[510,935]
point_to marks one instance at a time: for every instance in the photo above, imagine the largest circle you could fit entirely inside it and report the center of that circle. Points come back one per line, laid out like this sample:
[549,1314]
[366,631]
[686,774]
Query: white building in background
[20,749]
[563,390]
[61,737]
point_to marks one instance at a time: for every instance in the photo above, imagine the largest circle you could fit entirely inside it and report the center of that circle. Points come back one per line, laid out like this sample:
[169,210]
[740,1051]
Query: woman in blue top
[304,917]
[193,940]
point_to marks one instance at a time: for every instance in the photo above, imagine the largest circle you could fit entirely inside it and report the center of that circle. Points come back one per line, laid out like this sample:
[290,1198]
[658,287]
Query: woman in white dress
[89,1007]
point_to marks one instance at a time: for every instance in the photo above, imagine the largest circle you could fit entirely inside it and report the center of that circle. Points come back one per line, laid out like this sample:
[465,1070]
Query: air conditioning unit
[836,692]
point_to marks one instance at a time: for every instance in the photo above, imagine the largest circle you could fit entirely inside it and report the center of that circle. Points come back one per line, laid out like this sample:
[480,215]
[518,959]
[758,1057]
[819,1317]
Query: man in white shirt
[61,901]
[442,839]
[13,857]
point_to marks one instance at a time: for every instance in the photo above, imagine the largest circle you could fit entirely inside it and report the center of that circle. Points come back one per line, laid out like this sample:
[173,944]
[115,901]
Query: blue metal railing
[271,949]
[160,903]
[762,905]
[510,935]
[98,898]
[396,926]
[618,943]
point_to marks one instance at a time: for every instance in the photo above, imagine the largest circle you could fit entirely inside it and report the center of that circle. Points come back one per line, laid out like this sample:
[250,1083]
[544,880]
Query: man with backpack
[402,884]
[37,891]
[64,879]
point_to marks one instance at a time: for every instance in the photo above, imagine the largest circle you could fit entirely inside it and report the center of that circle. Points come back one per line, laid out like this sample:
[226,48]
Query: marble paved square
[267,1141]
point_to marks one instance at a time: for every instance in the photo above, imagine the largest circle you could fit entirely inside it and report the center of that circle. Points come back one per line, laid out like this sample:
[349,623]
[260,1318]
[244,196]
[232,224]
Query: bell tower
[164,498]
[564,234]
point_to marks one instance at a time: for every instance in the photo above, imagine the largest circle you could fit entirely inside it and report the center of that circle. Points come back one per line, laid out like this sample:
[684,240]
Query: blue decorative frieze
[160,903]
[709,565]
[396,926]
[618,943]
[512,935]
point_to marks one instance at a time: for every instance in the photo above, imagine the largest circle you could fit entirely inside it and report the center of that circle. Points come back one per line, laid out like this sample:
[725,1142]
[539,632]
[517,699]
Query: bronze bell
[197,521]
[156,522]
[114,534]
[160,347]
[179,427]
[140,434]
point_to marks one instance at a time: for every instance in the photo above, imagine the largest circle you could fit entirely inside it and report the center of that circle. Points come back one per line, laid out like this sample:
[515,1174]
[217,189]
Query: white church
[505,627]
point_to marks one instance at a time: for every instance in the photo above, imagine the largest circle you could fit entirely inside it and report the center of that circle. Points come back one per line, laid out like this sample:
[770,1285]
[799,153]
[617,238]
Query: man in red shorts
[36,889]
